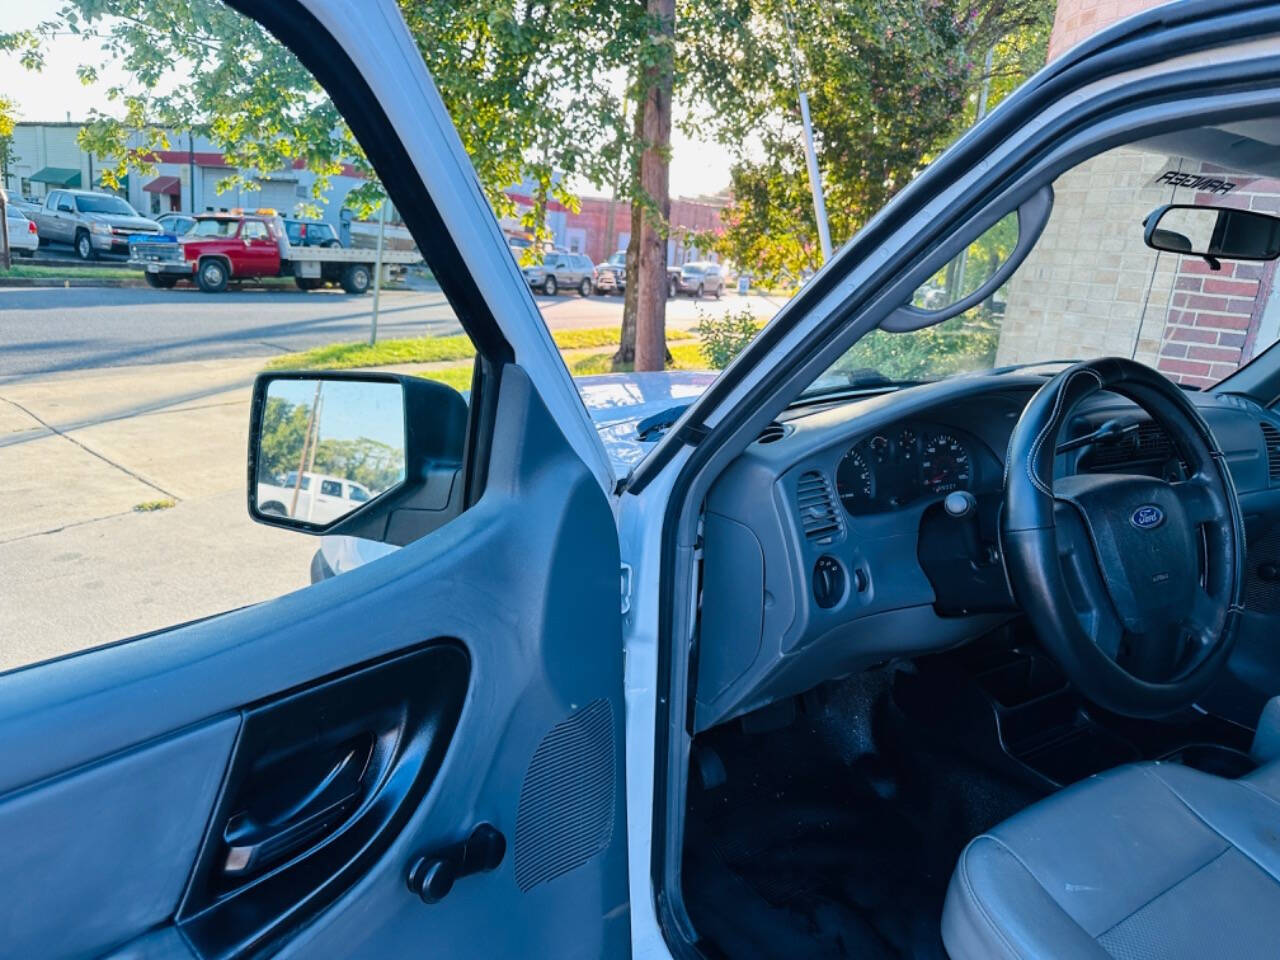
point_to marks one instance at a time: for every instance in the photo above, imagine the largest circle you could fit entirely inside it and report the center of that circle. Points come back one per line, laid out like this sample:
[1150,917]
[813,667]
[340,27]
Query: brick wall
[1088,285]
[1215,316]
[1091,287]
[1077,19]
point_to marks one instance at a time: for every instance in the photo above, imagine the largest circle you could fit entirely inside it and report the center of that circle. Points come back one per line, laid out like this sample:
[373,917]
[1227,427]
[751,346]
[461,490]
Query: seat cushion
[1152,860]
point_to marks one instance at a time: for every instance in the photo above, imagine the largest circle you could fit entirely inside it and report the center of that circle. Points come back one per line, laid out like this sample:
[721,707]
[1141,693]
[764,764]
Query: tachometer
[944,464]
[854,480]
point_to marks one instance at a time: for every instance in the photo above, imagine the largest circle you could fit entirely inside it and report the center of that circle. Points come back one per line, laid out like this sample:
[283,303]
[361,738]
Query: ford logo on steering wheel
[1147,517]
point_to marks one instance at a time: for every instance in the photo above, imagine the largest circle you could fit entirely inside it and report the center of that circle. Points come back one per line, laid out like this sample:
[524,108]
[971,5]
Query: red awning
[171,186]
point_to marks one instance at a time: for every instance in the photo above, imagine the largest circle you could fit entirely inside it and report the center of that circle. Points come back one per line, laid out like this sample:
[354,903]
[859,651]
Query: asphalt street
[50,330]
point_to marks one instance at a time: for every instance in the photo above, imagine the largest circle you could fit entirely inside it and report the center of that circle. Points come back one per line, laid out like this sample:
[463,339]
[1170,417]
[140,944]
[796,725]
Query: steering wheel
[1131,583]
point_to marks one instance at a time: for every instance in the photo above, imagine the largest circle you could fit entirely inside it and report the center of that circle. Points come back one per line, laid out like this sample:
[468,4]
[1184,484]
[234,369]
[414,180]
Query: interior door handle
[254,845]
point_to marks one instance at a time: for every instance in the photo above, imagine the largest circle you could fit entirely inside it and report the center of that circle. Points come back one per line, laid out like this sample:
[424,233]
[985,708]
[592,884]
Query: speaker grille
[567,799]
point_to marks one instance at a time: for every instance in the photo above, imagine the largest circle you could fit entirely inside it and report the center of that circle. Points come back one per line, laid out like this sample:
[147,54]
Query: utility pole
[191,170]
[312,426]
[377,272]
[810,152]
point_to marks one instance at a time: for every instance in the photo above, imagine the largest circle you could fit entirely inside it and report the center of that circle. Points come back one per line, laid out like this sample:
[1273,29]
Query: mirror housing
[428,492]
[1214,233]
[1033,215]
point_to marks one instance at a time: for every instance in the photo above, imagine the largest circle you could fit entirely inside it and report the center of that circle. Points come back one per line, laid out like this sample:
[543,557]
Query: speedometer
[944,464]
[854,481]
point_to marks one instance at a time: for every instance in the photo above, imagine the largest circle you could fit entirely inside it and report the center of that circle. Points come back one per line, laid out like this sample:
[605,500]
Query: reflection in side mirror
[370,455]
[1213,233]
[326,448]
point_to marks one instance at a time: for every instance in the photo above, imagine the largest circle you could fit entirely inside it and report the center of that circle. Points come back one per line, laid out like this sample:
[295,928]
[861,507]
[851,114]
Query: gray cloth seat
[1153,860]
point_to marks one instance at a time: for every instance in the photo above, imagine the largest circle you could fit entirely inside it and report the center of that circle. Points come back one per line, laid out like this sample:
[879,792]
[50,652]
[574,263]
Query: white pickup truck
[318,498]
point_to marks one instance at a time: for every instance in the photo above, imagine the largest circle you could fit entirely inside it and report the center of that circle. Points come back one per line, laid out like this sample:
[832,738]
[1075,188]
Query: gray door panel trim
[526,580]
[102,854]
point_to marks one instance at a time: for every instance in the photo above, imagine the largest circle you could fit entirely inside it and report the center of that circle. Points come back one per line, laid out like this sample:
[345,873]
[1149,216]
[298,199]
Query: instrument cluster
[900,466]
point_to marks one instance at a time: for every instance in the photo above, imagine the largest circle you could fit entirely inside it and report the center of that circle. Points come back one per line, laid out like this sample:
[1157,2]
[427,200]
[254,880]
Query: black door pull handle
[432,876]
[254,845]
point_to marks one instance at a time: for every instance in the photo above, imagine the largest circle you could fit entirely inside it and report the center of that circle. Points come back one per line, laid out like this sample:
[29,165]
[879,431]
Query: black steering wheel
[1131,583]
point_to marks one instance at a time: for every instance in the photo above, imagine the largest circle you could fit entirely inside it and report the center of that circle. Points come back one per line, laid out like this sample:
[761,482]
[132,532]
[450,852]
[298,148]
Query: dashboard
[827,548]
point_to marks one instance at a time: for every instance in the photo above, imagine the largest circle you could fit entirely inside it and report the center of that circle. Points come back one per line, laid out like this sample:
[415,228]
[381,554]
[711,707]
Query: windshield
[1091,287]
[103,203]
[214,228]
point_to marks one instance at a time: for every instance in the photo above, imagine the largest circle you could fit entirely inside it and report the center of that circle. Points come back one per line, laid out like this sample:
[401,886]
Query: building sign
[1196,181]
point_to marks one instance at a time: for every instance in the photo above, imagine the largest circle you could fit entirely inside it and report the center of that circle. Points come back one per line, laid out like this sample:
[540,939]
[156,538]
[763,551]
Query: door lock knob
[432,876]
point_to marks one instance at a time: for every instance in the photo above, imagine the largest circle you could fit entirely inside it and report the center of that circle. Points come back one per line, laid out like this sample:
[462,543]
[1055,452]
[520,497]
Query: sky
[56,94]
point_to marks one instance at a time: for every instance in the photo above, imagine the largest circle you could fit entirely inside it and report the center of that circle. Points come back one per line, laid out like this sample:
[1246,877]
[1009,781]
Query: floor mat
[834,836]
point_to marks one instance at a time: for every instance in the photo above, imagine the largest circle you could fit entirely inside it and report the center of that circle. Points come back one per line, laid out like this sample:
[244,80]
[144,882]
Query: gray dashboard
[812,570]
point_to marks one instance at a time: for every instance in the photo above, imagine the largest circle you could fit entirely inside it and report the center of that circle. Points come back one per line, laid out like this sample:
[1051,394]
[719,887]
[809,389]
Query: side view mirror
[369,455]
[1213,233]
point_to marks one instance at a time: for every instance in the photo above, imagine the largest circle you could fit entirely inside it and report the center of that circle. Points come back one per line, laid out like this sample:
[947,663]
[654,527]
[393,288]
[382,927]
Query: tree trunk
[651,276]
[626,354]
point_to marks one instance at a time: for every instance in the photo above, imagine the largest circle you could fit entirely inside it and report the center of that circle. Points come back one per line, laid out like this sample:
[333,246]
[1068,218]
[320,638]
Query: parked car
[611,275]
[93,223]
[311,233]
[562,271]
[239,245]
[24,235]
[176,224]
[318,498]
[699,278]
[616,266]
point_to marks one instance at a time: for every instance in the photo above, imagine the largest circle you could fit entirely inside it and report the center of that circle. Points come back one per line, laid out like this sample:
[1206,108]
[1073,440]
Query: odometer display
[944,464]
[854,481]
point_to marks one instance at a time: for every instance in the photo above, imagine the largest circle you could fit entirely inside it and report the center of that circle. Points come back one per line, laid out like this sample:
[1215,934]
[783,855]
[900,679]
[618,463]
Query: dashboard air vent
[773,432]
[818,515]
[1271,437]
[1146,444]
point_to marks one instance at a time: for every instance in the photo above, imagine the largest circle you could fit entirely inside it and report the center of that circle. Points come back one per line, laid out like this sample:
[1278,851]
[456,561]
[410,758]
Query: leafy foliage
[724,337]
[199,66]
[522,82]
[284,430]
[8,108]
[891,83]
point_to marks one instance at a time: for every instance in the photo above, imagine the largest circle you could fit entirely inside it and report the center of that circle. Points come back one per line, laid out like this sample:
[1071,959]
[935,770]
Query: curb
[67,282]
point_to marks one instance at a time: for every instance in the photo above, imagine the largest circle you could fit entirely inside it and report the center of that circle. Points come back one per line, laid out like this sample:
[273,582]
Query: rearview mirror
[1213,232]
[368,455]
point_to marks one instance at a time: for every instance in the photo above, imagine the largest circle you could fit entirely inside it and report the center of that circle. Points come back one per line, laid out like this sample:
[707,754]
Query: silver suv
[91,222]
[563,271]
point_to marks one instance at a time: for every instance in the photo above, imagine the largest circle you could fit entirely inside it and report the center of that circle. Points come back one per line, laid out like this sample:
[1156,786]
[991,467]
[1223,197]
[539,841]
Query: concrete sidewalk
[77,454]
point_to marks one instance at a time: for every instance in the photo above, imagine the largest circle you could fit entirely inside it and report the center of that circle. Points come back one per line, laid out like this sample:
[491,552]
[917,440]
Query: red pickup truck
[239,245]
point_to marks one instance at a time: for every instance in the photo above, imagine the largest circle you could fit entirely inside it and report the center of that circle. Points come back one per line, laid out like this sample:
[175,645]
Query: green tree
[284,430]
[522,82]
[891,83]
[377,465]
[8,111]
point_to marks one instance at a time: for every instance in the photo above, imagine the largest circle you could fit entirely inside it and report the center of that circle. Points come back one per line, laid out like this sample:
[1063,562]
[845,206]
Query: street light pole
[810,152]
[377,273]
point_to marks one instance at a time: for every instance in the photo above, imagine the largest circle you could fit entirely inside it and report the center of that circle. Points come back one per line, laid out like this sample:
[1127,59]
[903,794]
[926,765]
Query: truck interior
[1010,602]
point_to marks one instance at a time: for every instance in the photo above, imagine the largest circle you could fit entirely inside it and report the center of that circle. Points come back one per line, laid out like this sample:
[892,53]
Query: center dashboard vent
[1271,439]
[1149,443]
[819,517]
